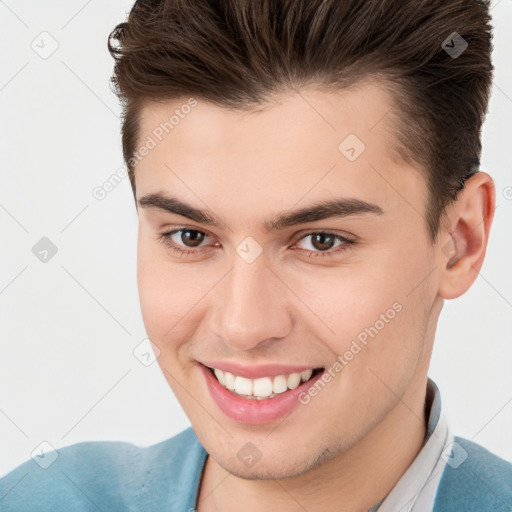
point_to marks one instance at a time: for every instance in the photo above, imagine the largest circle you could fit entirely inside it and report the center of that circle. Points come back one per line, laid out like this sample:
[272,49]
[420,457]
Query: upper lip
[256,371]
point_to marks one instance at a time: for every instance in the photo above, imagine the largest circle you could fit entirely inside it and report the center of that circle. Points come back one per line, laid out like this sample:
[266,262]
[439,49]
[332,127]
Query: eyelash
[165,238]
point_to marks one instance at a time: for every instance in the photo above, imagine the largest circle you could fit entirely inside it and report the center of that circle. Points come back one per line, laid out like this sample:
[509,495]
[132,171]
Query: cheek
[372,313]
[163,290]
[171,293]
[345,300]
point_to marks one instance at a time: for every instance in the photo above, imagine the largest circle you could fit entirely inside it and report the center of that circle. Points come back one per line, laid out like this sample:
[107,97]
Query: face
[241,269]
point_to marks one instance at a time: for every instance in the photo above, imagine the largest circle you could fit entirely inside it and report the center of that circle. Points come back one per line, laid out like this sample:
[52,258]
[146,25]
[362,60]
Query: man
[306,176]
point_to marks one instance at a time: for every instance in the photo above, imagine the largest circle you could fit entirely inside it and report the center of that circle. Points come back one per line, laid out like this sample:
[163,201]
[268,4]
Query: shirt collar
[419,483]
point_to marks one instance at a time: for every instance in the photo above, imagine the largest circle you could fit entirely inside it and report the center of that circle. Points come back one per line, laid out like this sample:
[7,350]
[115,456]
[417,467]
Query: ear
[464,235]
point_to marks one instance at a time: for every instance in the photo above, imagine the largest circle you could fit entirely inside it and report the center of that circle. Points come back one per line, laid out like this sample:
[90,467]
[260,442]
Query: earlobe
[464,238]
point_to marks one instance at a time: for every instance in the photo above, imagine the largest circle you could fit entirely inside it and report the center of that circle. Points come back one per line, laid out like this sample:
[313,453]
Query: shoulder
[474,480]
[107,475]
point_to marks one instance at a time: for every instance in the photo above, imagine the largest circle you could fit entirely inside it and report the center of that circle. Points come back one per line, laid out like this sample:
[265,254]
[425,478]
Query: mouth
[262,400]
[263,388]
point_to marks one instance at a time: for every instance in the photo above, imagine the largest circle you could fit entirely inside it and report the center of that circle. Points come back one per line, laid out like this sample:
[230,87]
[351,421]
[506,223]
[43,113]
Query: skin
[347,448]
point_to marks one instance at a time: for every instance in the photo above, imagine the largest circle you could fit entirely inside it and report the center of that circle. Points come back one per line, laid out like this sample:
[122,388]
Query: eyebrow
[343,207]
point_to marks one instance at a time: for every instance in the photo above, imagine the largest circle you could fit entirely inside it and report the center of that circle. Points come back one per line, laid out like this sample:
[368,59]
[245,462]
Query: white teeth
[305,375]
[220,376]
[263,387]
[293,380]
[243,386]
[230,380]
[279,384]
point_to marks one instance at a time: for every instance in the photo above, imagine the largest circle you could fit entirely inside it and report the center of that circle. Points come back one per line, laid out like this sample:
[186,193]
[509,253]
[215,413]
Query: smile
[263,387]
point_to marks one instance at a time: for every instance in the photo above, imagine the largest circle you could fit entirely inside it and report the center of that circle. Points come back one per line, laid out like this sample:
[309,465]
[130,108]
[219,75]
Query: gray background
[69,326]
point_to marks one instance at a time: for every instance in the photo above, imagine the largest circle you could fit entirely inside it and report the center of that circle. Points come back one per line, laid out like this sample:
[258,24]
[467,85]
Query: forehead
[285,120]
[301,142]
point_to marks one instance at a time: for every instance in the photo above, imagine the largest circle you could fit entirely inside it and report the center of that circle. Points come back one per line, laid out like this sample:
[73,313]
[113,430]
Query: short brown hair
[237,53]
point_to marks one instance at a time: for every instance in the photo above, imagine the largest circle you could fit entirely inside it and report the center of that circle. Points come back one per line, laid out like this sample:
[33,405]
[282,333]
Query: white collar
[416,489]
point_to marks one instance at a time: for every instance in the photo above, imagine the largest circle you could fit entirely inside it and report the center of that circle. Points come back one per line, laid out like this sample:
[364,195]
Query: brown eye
[185,241]
[191,237]
[322,241]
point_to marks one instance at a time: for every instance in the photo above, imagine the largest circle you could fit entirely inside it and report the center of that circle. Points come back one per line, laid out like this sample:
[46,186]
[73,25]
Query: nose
[251,306]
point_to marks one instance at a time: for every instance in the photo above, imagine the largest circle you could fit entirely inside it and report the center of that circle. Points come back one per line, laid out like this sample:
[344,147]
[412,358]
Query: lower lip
[252,411]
